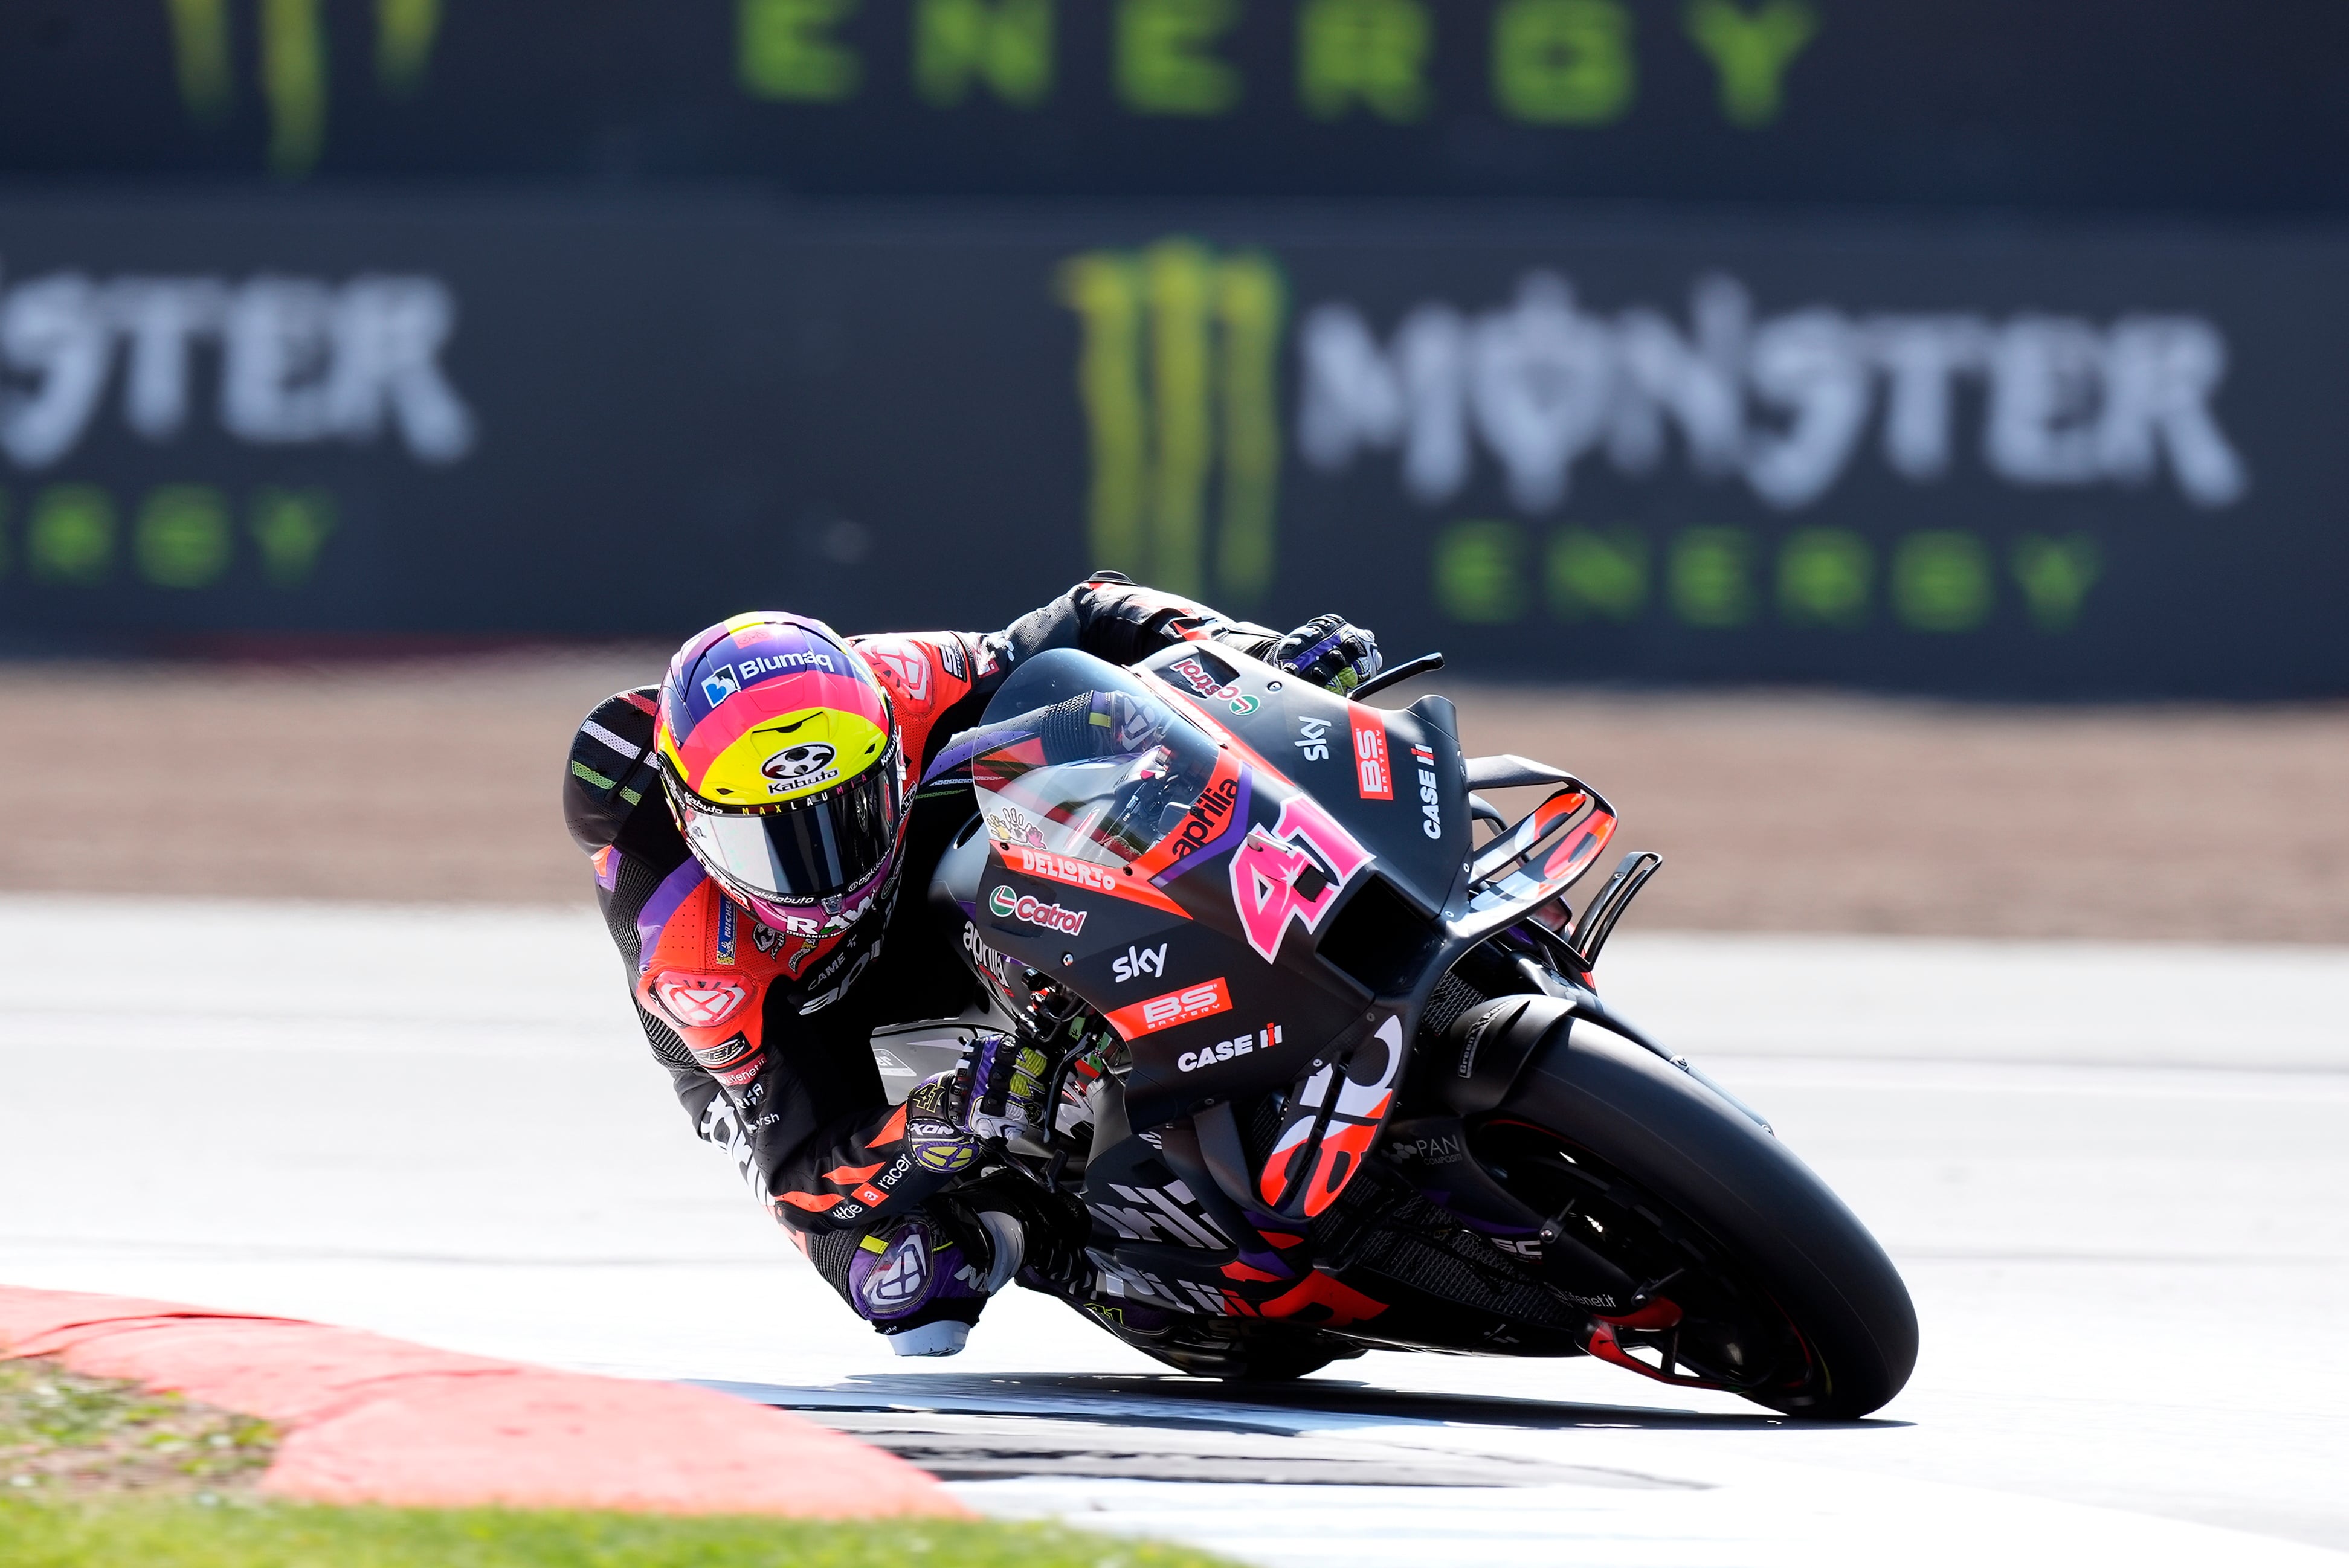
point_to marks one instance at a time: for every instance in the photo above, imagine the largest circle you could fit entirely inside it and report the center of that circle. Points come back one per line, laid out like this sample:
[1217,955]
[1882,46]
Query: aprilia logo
[1174,1007]
[1207,817]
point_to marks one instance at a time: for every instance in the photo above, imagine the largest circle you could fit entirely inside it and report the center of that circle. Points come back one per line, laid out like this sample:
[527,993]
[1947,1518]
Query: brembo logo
[1173,1007]
[1009,905]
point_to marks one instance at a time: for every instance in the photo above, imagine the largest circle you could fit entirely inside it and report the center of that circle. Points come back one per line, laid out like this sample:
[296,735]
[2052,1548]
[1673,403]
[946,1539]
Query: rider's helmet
[780,755]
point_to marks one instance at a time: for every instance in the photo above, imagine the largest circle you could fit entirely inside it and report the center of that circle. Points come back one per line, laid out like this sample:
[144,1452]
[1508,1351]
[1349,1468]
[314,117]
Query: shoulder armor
[612,770]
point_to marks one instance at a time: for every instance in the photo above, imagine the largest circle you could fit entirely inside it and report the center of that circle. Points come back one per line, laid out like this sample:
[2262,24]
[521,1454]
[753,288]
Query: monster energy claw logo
[1178,378]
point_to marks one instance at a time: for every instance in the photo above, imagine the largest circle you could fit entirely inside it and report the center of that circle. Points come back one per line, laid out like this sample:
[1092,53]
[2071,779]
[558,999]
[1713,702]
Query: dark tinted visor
[820,848]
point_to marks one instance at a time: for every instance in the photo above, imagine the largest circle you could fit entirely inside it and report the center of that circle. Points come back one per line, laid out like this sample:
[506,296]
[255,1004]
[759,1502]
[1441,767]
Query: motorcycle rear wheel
[1786,1298]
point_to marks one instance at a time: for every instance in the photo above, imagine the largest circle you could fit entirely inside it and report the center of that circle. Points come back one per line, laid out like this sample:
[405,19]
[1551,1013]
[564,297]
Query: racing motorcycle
[1326,1073]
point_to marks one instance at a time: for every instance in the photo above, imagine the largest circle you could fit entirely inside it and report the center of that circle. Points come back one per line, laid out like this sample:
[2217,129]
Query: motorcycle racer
[754,822]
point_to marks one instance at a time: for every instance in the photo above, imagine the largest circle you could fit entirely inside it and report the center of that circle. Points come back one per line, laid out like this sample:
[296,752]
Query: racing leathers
[766,1035]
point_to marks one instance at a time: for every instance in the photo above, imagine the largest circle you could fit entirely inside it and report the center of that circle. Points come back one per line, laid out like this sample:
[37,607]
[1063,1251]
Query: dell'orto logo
[1179,377]
[797,762]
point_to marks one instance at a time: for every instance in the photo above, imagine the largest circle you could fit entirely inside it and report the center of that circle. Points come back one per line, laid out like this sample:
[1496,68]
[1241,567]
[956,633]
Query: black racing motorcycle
[1328,1074]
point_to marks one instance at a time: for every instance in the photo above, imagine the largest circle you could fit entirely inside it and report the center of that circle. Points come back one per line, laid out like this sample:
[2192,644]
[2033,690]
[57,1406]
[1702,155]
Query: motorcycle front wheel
[1762,1282]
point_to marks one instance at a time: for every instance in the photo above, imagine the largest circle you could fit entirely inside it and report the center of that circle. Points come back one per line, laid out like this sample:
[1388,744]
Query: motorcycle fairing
[1333,1116]
[1242,946]
[1305,737]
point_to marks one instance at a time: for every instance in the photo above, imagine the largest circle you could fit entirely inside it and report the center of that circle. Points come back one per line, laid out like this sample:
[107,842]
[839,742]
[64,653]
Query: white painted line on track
[2117,1203]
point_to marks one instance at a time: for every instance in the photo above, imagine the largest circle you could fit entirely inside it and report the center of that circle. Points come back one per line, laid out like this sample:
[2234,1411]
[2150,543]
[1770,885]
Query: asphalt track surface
[2113,1176]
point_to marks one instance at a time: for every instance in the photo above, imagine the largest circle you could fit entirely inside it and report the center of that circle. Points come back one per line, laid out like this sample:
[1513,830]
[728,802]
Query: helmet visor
[799,853]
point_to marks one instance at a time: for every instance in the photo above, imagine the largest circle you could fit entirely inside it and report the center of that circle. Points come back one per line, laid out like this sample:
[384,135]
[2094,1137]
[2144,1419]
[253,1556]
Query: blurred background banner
[2058,104]
[2016,369]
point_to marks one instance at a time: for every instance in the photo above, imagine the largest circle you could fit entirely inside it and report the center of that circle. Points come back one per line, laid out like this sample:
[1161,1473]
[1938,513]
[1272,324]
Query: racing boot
[922,1279]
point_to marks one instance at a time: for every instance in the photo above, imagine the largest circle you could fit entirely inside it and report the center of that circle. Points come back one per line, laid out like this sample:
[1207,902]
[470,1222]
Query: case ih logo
[1174,1007]
[1370,769]
[1009,905]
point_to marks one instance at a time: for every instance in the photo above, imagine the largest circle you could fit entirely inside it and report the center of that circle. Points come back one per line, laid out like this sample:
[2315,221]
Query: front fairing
[1204,948]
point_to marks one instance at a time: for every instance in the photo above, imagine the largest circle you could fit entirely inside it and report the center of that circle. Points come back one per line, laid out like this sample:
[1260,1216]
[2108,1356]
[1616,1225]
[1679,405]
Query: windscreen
[1098,775]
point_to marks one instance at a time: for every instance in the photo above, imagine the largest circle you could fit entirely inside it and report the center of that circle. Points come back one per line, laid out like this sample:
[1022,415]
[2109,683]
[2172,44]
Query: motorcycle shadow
[1171,1398]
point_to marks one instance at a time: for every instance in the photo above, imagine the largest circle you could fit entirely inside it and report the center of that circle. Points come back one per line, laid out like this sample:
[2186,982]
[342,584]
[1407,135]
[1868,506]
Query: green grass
[62,1433]
[96,1473]
[116,1532]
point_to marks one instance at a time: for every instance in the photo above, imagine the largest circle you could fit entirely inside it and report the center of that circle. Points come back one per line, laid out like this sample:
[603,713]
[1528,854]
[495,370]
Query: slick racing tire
[1786,1299]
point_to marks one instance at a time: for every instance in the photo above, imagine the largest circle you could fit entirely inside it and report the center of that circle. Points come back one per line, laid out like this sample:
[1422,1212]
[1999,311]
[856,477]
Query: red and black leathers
[766,1035]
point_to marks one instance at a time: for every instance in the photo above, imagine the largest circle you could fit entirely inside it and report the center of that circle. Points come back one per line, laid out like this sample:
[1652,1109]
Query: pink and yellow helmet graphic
[779,757]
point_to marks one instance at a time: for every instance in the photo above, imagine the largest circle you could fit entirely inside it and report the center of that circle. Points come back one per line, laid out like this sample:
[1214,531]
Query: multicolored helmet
[779,757]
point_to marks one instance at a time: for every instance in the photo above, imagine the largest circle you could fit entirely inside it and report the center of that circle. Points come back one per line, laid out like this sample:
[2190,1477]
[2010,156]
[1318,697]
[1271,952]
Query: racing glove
[1331,652]
[997,1092]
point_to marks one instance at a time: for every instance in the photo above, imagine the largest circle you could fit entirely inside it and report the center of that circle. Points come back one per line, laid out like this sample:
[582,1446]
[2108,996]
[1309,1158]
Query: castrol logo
[1005,904]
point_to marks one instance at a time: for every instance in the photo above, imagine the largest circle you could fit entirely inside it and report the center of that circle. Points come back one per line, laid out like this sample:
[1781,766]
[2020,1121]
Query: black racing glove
[1331,652]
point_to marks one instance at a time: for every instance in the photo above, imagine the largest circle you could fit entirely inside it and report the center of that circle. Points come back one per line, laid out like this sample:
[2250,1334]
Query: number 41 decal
[1293,872]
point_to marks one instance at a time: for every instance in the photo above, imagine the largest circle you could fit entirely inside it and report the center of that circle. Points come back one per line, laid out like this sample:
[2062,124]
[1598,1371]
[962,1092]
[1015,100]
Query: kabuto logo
[798,765]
